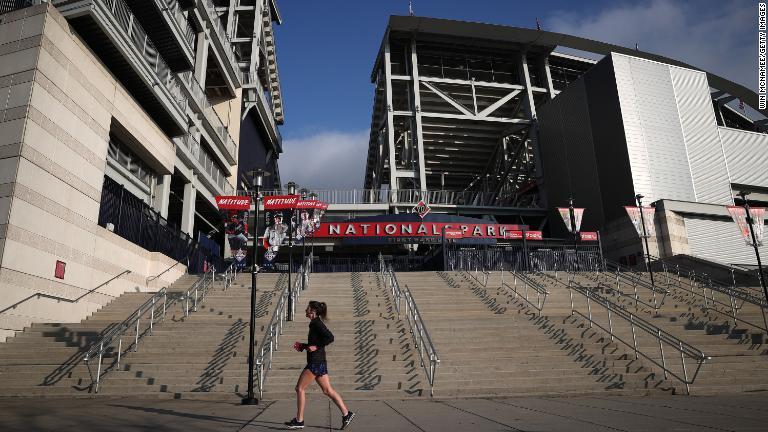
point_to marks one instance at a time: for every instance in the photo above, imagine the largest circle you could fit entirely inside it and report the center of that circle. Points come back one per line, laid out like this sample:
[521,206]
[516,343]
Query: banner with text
[634,215]
[739,215]
[565,213]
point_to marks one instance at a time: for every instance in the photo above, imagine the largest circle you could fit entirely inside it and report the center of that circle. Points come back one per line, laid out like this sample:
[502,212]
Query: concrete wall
[59,105]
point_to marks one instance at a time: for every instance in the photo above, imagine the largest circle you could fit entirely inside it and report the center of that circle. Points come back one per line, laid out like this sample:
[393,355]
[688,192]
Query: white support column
[530,106]
[530,109]
[162,195]
[548,77]
[393,186]
[188,208]
[231,18]
[256,44]
[419,136]
[201,57]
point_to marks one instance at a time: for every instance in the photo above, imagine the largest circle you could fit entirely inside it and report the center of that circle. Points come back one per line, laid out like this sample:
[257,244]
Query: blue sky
[326,50]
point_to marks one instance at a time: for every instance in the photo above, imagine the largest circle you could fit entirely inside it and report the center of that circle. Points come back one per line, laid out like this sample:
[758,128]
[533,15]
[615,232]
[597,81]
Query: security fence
[132,219]
[547,256]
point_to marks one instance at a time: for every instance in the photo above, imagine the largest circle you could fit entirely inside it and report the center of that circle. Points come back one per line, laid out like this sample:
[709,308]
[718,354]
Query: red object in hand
[298,346]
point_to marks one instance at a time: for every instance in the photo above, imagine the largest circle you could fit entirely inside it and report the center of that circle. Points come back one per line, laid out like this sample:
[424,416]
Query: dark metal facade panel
[615,176]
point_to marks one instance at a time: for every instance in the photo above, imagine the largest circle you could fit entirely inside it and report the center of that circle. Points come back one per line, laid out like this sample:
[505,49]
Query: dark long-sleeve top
[319,336]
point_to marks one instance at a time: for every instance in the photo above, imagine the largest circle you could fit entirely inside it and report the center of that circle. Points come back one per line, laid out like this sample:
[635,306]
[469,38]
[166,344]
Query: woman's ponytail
[320,308]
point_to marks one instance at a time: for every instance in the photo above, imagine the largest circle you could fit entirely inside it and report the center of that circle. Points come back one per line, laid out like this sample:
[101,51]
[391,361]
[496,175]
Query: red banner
[281,202]
[534,235]
[418,229]
[453,233]
[233,203]
[311,205]
[588,236]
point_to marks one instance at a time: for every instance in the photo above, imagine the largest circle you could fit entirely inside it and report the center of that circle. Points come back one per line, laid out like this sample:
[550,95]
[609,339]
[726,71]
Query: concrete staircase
[492,344]
[204,355]
[371,357]
[739,356]
[47,359]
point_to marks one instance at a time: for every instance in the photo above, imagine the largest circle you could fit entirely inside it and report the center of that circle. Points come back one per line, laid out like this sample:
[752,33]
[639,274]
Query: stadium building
[121,122]
[498,122]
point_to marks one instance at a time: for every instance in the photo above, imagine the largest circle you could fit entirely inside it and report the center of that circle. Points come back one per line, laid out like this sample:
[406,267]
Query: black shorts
[317,369]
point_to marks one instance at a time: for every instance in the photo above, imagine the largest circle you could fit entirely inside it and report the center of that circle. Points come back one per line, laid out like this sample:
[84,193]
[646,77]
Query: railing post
[634,336]
[165,301]
[589,309]
[685,371]
[661,350]
[610,320]
[152,317]
[119,352]
[136,342]
[98,368]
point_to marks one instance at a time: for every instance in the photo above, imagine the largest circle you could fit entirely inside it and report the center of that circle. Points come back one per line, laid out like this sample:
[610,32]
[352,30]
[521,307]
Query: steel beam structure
[448,116]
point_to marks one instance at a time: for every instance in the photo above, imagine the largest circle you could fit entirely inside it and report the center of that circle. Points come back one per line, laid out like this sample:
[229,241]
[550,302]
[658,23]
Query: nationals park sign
[415,229]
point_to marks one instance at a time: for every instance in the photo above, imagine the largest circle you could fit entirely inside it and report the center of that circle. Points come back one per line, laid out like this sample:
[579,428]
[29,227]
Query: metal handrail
[151,278]
[538,288]
[635,280]
[229,275]
[273,330]
[399,196]
[215,125]
[135,34]
[133,322]
[711,302]
[637,323]
[179,20]
[150,307]
[75,300]
[197,292]
[704,279]
[421,339]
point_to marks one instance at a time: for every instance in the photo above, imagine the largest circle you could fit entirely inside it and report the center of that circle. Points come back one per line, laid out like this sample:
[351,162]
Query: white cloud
[325,160]
[716,36]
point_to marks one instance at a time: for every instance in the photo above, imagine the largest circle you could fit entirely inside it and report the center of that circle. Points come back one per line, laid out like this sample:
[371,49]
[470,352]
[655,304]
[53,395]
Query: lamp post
[639,199]
[257,177]
[313,197]
[743,196]
[303,193]
[574,231]
[291,188]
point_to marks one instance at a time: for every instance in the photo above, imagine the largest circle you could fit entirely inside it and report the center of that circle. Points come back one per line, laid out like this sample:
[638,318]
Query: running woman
[317,368]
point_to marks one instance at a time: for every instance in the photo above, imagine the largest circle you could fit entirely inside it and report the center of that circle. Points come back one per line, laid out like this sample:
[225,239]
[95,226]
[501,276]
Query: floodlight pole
[743,196]
[639,199]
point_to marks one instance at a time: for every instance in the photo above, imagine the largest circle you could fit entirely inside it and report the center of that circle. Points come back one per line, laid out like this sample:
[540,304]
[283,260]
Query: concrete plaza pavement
[743,412]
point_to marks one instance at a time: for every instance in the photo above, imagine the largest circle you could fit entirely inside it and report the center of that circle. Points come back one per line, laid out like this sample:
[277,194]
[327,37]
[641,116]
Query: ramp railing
[641,336]
[531,288]
[272,332]
[723,299]
[421,339]
[615,273]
